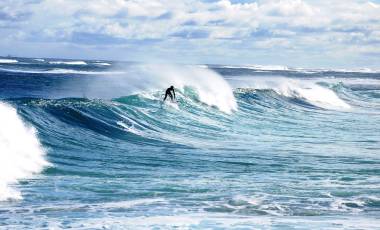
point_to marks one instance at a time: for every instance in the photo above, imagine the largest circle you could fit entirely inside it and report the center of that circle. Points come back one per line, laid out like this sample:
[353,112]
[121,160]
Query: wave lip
[68,62]
[7,61]
[22,155]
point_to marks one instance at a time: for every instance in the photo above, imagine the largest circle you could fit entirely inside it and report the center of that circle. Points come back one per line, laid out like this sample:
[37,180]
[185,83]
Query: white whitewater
[21,153]
[7,61]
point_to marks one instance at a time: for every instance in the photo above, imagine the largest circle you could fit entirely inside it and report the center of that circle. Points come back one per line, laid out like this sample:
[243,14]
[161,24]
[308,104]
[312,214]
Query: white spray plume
[211,88]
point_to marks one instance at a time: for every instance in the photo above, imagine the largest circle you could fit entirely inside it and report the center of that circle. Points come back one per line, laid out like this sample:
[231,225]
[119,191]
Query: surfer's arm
[174,93]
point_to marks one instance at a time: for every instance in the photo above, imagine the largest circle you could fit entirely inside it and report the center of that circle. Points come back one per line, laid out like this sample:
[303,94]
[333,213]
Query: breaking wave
[22,154]
[209,87]
[68,62]
[7,61]
[310,91]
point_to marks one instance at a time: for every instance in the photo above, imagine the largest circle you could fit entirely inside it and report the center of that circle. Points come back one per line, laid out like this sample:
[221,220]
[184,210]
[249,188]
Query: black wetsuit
[169,92]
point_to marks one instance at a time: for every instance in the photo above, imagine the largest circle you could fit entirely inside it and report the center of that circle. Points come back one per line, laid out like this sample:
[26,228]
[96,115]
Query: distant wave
[257,67]
[6,61]
[357,70]
[39,59]
[62,71]
[266,68]
[22,155]
[68,62]
[71,71]
[102,63]
[269,67]
[354,70]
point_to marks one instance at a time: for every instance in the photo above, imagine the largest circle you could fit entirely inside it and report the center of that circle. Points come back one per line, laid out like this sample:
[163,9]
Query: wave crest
[309,91]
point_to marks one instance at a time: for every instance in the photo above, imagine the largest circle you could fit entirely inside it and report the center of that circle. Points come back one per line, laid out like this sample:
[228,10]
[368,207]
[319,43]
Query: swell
[196,120]
[75,118]
[145,119]
[138,119]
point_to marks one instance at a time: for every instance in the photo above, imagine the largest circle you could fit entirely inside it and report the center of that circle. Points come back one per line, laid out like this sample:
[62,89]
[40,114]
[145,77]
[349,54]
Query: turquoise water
[91,146]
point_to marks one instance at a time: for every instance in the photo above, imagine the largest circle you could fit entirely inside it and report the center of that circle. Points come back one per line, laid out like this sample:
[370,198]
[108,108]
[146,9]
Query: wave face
[93,146]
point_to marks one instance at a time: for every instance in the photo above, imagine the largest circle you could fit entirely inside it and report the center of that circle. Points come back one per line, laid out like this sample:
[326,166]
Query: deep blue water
[90,145]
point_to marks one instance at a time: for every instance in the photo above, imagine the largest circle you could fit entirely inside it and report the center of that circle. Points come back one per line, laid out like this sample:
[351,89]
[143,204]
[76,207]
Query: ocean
[89,144]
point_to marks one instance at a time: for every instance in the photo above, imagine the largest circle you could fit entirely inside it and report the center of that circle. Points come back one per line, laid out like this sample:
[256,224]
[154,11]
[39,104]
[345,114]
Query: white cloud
[288,24]
[286,8]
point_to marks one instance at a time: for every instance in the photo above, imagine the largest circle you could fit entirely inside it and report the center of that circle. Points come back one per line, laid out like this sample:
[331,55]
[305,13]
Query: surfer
[169,93]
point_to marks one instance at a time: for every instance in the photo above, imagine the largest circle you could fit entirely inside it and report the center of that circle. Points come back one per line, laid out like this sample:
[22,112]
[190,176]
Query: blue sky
[299,33]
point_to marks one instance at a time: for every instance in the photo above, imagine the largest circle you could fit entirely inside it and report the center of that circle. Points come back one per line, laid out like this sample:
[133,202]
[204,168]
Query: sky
[296,33]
